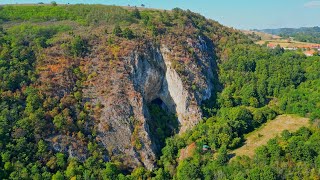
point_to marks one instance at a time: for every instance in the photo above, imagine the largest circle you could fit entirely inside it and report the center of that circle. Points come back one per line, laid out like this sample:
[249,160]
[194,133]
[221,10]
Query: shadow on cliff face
[148,73]
[172,106]
[148,100]
[150,79]
[210,105]
[163,123]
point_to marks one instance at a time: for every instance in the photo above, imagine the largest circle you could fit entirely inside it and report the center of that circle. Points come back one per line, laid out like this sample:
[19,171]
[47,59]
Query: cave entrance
[158,102]
[163,123]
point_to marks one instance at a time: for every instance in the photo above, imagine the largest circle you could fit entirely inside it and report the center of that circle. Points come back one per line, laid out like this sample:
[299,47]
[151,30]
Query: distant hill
[257,35]
[304,34]
[290,30]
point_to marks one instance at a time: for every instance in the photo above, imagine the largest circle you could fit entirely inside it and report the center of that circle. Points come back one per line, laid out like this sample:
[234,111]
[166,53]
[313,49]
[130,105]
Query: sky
[240,14]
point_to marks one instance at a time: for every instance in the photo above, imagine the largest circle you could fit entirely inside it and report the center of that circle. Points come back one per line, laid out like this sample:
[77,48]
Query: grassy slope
[264,36]
[270,130]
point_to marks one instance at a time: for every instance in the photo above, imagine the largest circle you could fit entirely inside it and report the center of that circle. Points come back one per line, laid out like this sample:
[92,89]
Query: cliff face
[105,83]
[145,73]
[124,78]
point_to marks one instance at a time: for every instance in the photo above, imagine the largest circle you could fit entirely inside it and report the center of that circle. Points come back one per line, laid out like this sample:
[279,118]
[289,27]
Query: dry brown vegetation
[264,36]
[187,151]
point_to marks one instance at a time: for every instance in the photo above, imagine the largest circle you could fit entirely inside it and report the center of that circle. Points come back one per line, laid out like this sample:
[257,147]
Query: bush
[117,31]
[136,13]
[79,47]
[53,3]
[188,170]
[127,33]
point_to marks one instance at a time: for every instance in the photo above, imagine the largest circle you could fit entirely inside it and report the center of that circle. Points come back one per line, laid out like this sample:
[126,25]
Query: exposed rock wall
[145,73]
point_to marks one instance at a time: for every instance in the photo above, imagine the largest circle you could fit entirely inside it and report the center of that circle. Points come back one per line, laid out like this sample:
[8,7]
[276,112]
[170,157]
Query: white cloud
[312,4]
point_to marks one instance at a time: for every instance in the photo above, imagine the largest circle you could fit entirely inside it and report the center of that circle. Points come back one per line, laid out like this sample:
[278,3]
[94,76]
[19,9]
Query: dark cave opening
[163,123]
[157,101]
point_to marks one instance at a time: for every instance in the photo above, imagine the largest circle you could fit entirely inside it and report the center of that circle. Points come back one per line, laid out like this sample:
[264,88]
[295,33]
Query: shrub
[136,13]
[127,33]
[79,47]
[117,30]
[53,3]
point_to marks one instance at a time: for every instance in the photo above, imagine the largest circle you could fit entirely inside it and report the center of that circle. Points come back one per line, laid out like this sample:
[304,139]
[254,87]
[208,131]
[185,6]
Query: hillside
[108,92]
[291,30]
[260,36]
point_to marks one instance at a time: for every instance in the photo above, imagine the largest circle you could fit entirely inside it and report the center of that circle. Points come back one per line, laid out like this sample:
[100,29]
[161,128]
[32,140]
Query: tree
[72,169]
[58,176]
[187,169]
[61,160]
[111,171]
[78,95]
[59,121]
[139,173]
[42,147]
[161,174]
[127,33]
[222,157]
[154,30]
[274,150]
[136,13]
[79,47]
[53,3]
[267,174]
[254,173]
[278,50]
[117,31]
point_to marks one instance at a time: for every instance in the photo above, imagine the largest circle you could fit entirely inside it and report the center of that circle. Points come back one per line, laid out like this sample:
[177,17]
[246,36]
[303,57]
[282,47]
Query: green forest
[255,85]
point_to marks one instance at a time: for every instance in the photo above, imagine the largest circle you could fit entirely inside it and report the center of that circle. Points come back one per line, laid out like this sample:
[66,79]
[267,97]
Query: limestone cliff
[124,78]
[145,73]
[108,83]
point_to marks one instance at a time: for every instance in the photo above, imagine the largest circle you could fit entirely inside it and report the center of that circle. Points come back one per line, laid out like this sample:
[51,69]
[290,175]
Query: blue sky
[241,14]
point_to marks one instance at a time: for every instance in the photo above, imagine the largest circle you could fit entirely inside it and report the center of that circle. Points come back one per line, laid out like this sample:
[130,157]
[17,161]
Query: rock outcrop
[124,78]
[145,73]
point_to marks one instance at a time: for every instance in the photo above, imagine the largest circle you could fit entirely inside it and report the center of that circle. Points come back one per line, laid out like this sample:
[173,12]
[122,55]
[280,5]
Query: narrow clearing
[268,131]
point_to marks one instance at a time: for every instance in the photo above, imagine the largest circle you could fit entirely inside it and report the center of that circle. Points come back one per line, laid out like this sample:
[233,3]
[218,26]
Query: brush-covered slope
[89,81]
[105,92]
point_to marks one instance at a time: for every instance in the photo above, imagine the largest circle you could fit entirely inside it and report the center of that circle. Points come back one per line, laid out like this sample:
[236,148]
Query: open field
[286,44]
[264,36]
[268,131]
[273,40]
